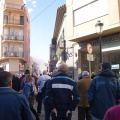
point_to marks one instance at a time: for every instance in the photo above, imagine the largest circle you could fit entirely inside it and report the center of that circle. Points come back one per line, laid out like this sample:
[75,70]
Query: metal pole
[64,51]
[90,68]
[100,48]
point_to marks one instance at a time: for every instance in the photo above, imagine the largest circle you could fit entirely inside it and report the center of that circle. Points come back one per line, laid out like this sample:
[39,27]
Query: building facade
[80,21]
[14,36]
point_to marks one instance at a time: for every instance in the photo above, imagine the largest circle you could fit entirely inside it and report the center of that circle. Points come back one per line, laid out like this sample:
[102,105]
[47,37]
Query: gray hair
[55,72]
[85,73]
[5,78]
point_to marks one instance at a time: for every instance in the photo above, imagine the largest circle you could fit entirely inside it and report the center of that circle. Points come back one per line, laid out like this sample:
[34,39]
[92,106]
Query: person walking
[46,106]
[13,105]
[16,83]
[104,92]
[62,95]
[41,80]
[28,91]
[83,106]
[113,113]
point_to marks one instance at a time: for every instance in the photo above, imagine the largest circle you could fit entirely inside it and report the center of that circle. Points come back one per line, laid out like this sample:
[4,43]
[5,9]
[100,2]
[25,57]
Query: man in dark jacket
[104,92]
[62,94]
[13,105]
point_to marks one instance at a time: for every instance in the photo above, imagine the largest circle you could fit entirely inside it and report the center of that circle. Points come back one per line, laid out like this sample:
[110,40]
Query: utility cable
[37,15]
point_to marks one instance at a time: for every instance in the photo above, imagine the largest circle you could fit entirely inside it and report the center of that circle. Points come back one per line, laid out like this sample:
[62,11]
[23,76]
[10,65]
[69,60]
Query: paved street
[74,116]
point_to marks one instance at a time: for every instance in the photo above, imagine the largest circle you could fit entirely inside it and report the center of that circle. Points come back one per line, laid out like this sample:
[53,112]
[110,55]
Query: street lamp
[99,30]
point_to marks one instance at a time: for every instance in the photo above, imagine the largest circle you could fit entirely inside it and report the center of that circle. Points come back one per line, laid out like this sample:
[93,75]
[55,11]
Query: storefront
[110,53]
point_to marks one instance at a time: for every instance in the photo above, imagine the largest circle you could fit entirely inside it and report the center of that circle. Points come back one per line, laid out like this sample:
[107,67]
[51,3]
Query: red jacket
[113,113]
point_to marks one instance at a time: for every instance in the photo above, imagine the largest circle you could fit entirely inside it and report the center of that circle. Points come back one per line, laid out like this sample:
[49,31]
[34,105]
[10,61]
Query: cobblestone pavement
[74,113]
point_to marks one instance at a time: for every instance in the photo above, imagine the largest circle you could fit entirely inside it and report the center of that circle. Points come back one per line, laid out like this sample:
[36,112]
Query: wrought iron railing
[13,37]
[14,6]
[13,21]
[13,54]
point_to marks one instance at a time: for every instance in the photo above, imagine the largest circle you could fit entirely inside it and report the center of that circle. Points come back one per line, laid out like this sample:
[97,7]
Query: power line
[37,15]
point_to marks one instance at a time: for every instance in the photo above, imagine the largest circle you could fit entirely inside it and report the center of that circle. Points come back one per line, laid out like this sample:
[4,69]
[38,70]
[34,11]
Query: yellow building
[82,16]
[14,36]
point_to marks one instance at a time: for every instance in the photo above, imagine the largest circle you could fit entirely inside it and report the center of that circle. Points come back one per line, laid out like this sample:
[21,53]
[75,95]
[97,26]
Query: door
[21,34]
[21,20]
[5,19]
[6,33]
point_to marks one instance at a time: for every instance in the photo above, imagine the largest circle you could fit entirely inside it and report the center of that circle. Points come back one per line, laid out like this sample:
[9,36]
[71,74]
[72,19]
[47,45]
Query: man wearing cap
[103,92]
[83,106]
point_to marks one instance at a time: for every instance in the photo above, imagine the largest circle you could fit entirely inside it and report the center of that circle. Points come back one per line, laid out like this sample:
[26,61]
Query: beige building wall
[82,15]
[110,18]
[15,36]
[14,65]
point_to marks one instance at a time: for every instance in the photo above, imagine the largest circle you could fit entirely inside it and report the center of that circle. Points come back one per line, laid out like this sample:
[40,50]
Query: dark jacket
[13,105]
[59,93]
[16,84]
[103,93]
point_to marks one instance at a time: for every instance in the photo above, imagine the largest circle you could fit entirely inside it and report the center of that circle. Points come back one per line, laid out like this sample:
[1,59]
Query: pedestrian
[13,105]
[28,91]
[23,80]
[93,75]
[83,106]
[41,80]
[113,113]
[16,83]
[62,95]
[103,92]
[46,106]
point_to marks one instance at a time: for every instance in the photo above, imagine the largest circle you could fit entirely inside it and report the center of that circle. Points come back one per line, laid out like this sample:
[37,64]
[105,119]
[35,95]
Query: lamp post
[99,30]
[64,51]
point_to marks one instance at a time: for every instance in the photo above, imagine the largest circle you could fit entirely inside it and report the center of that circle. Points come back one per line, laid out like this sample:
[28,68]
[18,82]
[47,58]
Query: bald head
[44,72]
[63,68]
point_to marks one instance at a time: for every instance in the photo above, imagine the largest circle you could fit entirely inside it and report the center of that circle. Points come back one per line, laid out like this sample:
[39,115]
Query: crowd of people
[95,96]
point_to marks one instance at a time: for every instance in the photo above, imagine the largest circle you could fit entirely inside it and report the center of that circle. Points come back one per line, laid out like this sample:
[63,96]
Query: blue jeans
[94,118]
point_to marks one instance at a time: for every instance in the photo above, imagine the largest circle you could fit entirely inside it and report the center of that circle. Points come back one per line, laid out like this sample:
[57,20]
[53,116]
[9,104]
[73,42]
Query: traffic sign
[89,48]
[90,57]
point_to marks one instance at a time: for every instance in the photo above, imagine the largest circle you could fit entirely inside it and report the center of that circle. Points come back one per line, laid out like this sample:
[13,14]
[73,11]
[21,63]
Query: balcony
[14,7]
[12,38]
[12,54]
[60,47]
[12,22]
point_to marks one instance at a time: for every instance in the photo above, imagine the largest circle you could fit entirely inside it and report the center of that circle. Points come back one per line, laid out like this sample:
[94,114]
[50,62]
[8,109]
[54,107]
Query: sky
[42,27]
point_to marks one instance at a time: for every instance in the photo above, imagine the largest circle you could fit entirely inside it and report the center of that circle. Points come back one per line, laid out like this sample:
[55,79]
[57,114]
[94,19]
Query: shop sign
[115,66]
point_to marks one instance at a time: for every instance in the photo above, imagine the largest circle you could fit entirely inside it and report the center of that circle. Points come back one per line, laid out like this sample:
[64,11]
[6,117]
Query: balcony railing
[13,37]
[12,54]
[14,6]
[13,21]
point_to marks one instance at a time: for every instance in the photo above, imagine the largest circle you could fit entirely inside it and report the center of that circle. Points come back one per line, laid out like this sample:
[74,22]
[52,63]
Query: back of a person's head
[63,68]
[1,69]
[85,73]
[5,78]
[44,72]
[27,72]
[55,72]
[28,78]
[106,66]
